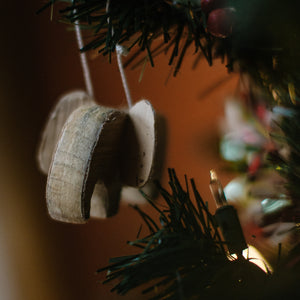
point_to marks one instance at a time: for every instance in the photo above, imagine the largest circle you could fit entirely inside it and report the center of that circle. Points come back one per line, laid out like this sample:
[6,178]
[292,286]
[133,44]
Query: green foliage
[184,256]
[289,165]
[265,41]
[135,22]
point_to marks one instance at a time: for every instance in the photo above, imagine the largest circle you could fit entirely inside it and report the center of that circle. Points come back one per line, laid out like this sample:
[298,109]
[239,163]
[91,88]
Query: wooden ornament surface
[105,199]
[57,118]
[139,144]
[133,195]
[87,151]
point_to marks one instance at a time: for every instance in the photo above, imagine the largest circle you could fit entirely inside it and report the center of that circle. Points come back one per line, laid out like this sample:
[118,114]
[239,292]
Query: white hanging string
[121,50]
[85,67]
[84,62]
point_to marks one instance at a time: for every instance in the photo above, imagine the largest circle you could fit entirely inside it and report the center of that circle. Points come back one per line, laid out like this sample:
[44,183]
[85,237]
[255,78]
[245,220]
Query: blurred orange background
[44,259]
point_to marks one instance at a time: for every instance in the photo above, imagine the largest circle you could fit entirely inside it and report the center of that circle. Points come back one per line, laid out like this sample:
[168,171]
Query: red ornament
[220,22]
[255,165]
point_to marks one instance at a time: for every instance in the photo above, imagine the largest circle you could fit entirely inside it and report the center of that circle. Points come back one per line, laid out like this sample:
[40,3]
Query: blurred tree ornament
[261,206]
[243,136]
[250,136]
[220,22]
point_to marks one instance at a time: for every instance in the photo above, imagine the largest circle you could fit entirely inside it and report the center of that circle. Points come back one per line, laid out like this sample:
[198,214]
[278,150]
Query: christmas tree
[185,254]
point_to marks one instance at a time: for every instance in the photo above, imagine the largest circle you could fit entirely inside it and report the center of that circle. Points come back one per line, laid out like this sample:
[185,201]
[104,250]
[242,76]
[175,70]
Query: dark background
[44,259]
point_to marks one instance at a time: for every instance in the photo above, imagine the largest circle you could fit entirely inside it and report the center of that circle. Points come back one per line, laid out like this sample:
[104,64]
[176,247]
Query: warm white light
[253,255]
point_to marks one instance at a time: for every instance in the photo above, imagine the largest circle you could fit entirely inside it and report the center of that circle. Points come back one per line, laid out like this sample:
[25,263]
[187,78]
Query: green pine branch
[184,256]
[140,23]
[264,42]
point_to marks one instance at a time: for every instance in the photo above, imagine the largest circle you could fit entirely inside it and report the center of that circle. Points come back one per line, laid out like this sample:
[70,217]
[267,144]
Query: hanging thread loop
[121,50]
[84,62]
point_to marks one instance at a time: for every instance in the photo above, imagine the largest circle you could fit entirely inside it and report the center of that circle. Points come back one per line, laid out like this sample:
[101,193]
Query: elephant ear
[139,145]
[133,195]
[56,120]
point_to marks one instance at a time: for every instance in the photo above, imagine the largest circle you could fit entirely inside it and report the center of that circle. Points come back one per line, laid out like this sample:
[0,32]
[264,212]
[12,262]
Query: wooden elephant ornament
[89,152]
